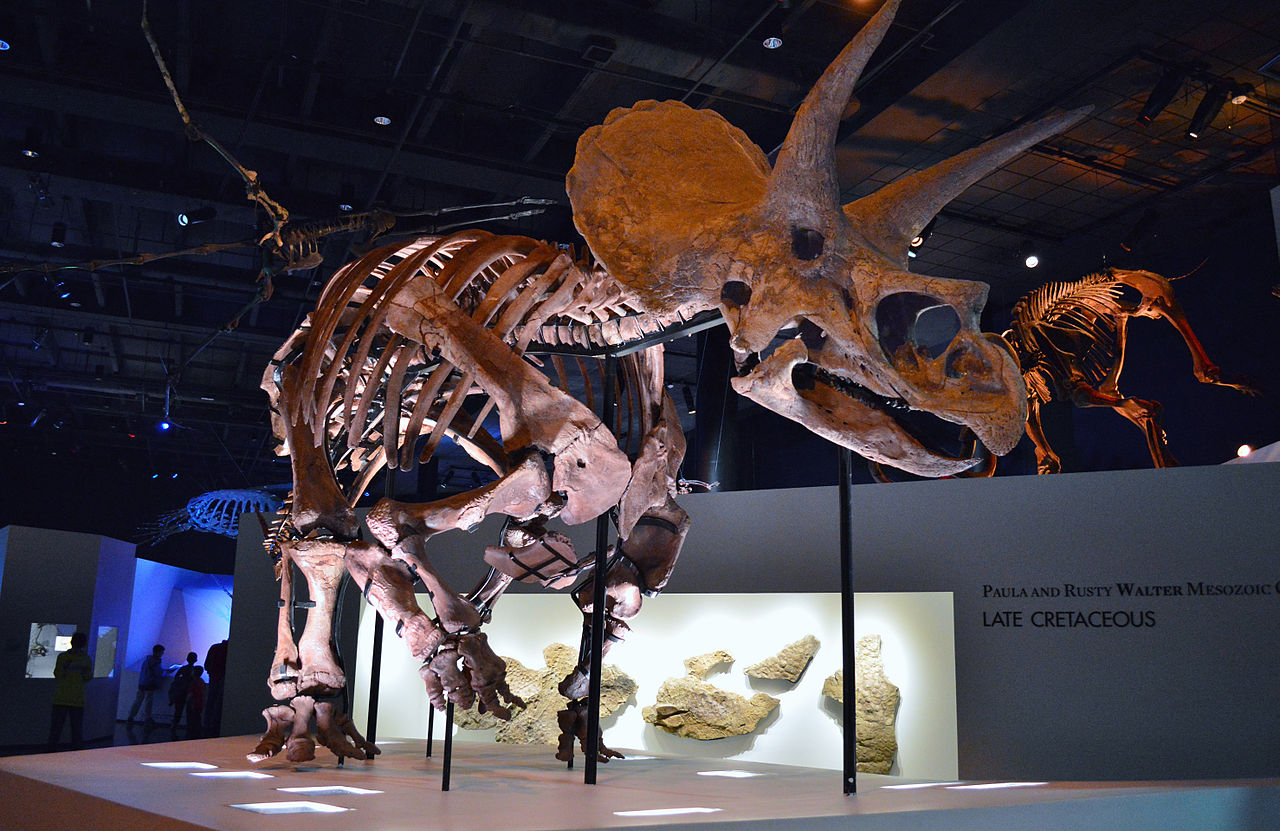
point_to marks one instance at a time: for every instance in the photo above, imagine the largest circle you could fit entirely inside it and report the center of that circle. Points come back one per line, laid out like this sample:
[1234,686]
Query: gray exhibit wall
[1099,631]
[1115,625]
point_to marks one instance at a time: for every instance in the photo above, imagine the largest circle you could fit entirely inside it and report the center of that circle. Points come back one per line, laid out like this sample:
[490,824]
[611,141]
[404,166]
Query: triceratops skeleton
[1070,340]
[684,217]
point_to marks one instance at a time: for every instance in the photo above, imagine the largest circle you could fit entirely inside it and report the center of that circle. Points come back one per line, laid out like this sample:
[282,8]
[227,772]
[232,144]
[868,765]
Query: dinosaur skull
[684,209]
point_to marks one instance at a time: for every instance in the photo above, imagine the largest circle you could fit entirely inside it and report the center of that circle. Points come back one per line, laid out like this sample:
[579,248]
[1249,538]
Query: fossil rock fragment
[536,722]
[833,687]
[788,664]
[692,708]
[699,665]
[876,705]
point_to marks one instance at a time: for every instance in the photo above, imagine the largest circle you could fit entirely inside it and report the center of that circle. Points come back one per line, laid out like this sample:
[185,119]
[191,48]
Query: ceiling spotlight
[1209,108]
[1031,261]
[1165,89]
[382,120]
[1241,94]
[58,236]
[194,217]
[1243,450]
[164,425]
[688,400]
[4,46]
[772,42]
[922,237]
[31,152]
[347,196]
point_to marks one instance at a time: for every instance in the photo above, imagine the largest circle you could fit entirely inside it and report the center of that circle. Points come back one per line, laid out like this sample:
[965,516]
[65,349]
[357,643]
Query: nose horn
[805,171]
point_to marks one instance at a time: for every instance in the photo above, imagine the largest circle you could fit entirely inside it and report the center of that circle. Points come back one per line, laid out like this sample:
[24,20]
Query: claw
[279,721]
[573,725]
[330,733]
[301,747]
[464,669]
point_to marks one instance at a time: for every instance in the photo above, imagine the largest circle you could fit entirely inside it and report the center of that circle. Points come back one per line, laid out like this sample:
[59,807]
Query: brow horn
[805,172]
[898,211]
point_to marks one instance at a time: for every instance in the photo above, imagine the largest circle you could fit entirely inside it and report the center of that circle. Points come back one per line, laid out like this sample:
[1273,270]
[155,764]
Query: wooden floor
[518,788]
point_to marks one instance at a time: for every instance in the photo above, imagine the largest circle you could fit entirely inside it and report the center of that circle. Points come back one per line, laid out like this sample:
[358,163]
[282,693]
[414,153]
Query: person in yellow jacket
[73,669]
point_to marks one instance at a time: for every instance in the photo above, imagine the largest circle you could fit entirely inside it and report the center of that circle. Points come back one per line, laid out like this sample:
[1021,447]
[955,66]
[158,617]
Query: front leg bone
[285,666]
[387,586]
[322,564]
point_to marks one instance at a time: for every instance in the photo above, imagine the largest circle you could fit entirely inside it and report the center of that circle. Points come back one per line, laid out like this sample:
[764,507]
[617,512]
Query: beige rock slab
[692,708]
[788,664]
[699,665]
[536,722]
[876,705]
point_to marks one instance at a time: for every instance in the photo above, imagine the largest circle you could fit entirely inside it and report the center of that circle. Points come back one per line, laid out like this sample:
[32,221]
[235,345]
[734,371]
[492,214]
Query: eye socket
[806,243]
[735,293]
[923,321]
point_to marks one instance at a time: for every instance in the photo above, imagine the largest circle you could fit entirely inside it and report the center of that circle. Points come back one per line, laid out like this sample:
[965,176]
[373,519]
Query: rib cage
[369,394]
[1076,319]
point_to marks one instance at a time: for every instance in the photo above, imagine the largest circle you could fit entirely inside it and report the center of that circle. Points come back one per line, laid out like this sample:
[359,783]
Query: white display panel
[917,649]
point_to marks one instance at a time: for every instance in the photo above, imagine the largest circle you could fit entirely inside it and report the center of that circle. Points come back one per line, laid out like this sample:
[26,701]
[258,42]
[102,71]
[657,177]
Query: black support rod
[591,750]
[431,728]
[448,747]
[848,639]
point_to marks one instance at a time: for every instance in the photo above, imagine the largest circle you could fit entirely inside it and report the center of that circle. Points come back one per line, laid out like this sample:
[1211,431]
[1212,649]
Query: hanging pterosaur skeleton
[684,216]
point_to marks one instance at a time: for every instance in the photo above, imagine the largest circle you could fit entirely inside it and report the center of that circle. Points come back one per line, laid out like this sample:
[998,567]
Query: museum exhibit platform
[515,788]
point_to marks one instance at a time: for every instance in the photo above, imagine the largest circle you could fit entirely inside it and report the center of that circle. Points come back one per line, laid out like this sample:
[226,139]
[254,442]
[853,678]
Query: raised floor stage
[509,788]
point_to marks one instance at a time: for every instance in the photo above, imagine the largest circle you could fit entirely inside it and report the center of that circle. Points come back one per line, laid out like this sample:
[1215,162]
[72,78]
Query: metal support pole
[431,728]
[448,747]
[375,680]
[591,750]
[375,668]
[848,639]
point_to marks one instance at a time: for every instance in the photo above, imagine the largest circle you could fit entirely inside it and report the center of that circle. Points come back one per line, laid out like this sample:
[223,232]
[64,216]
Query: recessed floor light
[328,790]
[914,785]
[289,808]
[729,774]
[181,765]
[234,774]
[665,812]
[991,786]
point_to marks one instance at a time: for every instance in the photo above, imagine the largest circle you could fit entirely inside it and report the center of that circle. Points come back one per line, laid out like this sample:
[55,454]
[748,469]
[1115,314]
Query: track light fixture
[1166,88]
[347,197]
[31,143]
[1210,106]
[197,215]
[1140,230]
[688,400]
[58,236]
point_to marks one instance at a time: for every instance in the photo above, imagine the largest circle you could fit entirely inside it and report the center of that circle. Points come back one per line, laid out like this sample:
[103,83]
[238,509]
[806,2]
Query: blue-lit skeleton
[215,512]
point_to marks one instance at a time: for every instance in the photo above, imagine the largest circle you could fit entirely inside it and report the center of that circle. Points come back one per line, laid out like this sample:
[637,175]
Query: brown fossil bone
[684,217]
[1070,341]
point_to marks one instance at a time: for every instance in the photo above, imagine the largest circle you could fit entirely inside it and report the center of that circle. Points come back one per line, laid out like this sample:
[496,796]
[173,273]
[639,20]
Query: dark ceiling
[486,100]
